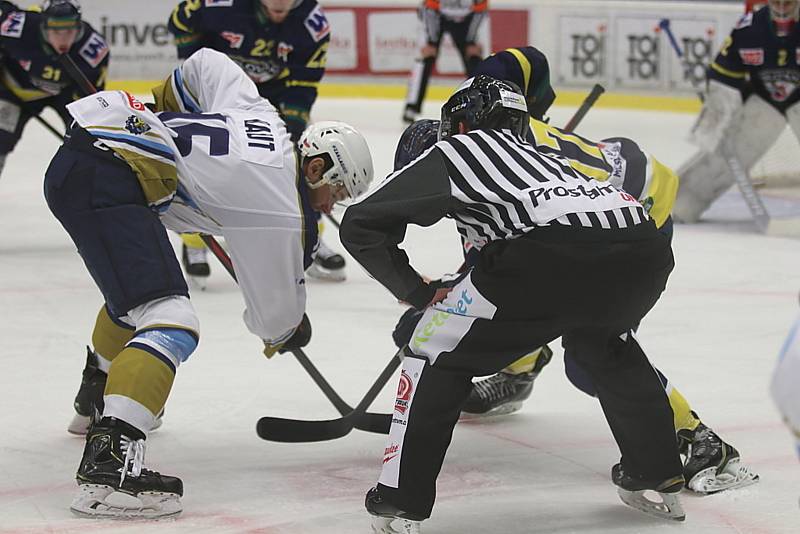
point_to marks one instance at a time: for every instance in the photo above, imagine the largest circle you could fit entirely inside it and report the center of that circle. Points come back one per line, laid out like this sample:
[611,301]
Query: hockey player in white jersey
[218,160]
[753,93]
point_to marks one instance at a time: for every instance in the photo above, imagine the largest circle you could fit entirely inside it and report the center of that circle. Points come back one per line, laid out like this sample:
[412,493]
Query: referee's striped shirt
[495,186]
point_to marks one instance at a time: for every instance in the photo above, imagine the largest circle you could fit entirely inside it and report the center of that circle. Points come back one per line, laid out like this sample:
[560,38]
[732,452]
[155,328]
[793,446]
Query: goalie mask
[483,102]
[347,152]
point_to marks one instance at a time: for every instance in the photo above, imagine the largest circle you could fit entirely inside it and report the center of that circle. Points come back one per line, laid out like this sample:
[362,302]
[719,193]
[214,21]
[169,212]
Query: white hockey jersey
[222,164]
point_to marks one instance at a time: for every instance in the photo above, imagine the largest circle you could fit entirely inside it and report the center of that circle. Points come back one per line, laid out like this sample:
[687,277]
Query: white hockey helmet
[348,152]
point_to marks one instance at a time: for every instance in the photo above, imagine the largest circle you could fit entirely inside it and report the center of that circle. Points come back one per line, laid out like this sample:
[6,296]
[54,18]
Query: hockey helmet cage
[61,15]
[416,139]
[347,150]
[484,102]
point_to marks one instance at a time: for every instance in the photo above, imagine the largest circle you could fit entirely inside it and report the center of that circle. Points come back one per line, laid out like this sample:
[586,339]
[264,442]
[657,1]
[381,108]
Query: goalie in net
[752,94]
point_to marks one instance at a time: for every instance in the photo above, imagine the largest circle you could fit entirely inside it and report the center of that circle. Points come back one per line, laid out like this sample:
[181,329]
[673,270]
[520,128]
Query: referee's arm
[373,228]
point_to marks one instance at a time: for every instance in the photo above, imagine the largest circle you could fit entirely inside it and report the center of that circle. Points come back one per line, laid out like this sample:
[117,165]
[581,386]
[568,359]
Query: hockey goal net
[779,167]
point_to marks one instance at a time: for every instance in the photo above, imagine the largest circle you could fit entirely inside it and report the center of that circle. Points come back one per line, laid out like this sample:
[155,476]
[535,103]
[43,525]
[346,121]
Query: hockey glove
[300,338]
[405,327]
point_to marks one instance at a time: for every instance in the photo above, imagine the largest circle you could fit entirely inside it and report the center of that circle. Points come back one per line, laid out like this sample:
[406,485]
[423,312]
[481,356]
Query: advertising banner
[582,50]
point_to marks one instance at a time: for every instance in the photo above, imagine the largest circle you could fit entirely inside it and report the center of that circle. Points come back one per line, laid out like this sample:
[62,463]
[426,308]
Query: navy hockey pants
[121,240]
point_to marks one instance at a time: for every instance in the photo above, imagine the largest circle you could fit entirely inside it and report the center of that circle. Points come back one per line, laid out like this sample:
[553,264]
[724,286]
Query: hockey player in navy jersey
[124,175]
[540,227]
[32,77]
[753,92]
[282,45]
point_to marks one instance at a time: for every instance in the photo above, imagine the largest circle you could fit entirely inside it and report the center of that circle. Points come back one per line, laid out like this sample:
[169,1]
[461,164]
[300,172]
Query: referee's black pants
[589,286]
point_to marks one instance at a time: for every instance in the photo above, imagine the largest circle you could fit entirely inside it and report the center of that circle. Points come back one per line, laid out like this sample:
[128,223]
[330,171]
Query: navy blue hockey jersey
[286,60]
[754,58]
[30,66]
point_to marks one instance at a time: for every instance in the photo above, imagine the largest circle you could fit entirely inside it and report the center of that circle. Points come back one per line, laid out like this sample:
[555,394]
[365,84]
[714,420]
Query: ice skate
[711,465]
[195,263]
[328,265]
[503,393]
[113,483]
[633,492]
[388,519]
[89,400]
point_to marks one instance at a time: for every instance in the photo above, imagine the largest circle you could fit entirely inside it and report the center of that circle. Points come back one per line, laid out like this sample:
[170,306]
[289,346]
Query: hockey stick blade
[368,422]
[298,431]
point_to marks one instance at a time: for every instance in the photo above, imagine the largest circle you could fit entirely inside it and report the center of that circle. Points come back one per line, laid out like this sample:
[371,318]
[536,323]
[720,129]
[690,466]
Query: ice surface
[716,333]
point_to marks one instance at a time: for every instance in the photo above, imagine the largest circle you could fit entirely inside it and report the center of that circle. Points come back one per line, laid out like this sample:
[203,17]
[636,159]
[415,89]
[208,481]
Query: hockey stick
[368,421]
[296,431]
[584,108]
[742,178]
[333,220]
[664,24]
[21,103]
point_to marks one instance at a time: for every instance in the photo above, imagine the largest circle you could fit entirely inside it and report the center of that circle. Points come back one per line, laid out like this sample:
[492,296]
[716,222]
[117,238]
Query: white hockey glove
[721,105]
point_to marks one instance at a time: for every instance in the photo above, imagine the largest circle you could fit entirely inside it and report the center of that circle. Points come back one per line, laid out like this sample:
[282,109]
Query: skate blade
[96,501]
[668,508]
[395,525]
[505,409]
[198,282]
[734,475]
[79,425]
[320,273]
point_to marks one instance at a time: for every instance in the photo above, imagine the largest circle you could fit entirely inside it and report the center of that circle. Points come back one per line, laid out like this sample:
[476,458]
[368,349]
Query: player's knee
[176,344]
[168,325]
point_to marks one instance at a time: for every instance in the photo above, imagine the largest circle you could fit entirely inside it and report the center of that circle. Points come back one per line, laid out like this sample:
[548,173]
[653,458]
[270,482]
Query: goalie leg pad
[706,175]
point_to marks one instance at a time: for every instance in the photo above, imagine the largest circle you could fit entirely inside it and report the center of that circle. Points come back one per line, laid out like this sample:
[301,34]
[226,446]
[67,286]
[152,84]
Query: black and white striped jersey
[507,189]
[496,186]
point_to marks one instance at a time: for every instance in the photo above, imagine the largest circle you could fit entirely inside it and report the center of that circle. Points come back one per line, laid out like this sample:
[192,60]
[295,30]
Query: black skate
[387,518]
[631,490]
[711,465]
[89,400]
[195,263]
[503,393]
[328,265]
[112,482]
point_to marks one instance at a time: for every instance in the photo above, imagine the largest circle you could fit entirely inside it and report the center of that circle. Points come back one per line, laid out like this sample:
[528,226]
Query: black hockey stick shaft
[296,431]
[584,108]
[83,83]
[333,220]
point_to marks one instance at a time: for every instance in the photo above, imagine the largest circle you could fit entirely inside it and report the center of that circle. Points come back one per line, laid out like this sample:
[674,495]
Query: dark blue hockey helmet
[416,139]
[484,102]
[61,15]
